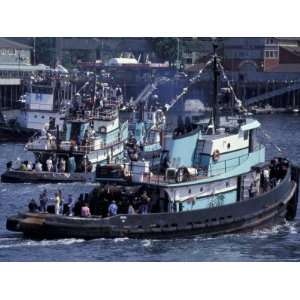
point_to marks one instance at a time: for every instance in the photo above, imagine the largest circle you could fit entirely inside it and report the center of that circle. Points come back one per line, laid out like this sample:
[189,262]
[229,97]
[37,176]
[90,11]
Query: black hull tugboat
[213,179]
[270,208]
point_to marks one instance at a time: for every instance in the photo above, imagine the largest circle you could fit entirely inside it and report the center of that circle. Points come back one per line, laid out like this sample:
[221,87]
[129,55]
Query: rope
[270,140]
[236,99]
[191,82]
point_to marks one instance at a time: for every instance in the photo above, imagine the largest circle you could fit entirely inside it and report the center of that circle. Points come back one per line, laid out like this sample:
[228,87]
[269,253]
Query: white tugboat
[87,140]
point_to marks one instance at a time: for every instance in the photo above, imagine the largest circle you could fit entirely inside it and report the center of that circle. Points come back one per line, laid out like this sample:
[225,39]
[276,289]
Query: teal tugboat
[213,179]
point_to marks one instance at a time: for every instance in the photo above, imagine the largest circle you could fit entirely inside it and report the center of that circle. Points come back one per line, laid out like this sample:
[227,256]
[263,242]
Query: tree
[165,48]
[45,50]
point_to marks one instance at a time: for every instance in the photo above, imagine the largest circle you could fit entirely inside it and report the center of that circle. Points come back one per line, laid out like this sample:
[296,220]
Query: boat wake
[16,242]
[286,228]
[118,240]
[146,243]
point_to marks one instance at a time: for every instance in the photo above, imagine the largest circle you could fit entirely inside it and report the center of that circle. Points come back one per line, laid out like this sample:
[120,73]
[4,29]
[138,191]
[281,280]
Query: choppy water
[278,243]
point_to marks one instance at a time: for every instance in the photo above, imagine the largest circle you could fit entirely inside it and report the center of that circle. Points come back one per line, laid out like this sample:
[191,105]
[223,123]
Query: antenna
[215,107]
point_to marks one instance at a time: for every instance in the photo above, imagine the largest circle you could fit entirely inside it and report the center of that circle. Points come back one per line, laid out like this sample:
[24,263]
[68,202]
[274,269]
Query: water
[277,243]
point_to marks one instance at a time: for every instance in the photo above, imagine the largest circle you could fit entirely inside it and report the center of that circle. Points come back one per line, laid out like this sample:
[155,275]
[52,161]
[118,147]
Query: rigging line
[265,134]
[192,81]
[236,99]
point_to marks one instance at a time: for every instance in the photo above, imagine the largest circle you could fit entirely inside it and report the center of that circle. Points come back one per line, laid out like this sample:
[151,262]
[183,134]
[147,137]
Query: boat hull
[16,135]
[44,177]
[269,208]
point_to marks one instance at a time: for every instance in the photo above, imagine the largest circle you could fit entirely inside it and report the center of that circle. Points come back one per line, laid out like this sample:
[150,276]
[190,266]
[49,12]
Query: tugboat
[38,106]
[88,140]
[213,180]
[146,127]
[11,131]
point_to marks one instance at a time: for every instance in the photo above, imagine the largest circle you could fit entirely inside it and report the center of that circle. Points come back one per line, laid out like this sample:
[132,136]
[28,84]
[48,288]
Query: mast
[216,119]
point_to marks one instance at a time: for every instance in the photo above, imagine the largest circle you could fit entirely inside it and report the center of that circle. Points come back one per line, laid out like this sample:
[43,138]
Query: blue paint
[253,159]
[181,152]
[227,162]
[210,201]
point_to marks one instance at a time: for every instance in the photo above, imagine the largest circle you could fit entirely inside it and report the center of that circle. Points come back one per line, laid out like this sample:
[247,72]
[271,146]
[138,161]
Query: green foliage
[45,50]
[166,48]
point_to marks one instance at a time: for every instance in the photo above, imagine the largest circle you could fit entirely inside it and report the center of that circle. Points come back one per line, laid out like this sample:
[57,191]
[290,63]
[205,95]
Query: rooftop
[285,68]
[6,43]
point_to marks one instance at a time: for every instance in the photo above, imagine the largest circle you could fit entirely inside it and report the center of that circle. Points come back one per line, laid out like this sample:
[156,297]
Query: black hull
[43,177]
[15,135]
[269,208]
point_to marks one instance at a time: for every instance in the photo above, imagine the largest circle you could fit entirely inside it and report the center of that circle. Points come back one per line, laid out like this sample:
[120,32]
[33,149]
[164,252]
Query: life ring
[216,155]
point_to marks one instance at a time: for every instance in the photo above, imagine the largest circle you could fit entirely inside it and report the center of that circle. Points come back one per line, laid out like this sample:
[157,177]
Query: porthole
[43,117]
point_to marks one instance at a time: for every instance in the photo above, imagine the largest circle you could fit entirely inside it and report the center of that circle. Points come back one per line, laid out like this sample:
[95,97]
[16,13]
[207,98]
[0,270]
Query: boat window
[35,116]
[201,189]
[246,135]
[227,184]
[190,191]
[43,117]
[228,146]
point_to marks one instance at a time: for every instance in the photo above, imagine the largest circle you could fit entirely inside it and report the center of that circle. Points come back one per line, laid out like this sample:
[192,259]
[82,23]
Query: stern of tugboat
[293,203]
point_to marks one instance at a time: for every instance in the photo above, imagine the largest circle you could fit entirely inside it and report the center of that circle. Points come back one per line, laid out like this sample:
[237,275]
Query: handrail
[152,178]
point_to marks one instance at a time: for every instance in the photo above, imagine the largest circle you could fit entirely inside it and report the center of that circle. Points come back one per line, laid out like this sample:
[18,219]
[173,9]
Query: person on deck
[265,179]
[57,203]
[62,165]
[38,167]
[60,195]
[49,164]
[29,166]
[70,204]
[112,209]
[131,210]
[43,201]
[252,190]
[145,203]
[23,167]
[85,211]
[32,206]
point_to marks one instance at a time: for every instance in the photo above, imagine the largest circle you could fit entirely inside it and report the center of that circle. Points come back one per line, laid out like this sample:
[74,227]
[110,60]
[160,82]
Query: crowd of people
[57,204]
[68,207]
[51,165]
[267,178]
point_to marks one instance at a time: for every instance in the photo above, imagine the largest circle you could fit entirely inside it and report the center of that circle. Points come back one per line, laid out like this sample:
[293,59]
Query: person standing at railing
[252,190]
[112,209]
[38,167]
[265,179]
[62,165]
[57,202]
[49,164]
